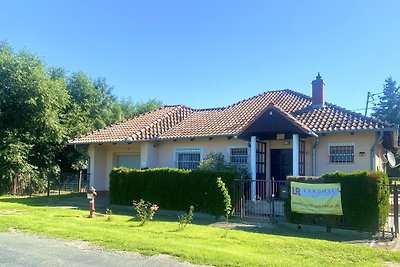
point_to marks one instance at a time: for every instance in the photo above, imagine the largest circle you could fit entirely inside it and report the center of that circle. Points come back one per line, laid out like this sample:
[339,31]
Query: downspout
[314,157]
[372,152]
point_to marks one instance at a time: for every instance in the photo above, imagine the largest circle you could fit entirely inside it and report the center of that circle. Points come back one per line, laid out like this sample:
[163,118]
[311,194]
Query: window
[128,161]
[187,159]
[238,155]
[341,153]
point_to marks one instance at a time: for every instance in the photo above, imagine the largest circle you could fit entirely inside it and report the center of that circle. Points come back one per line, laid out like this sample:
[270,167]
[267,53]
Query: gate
[392,224]
[268,202]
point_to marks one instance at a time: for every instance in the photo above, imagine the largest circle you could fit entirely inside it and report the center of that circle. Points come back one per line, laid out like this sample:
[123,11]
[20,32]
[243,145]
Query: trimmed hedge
[365,201]
[173,189]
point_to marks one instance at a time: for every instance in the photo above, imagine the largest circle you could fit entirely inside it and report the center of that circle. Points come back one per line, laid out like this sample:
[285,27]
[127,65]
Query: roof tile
[173,122]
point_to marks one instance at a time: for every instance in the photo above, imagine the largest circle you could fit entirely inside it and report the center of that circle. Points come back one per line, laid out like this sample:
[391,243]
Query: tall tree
[42,108]
[31,107]
[388,108]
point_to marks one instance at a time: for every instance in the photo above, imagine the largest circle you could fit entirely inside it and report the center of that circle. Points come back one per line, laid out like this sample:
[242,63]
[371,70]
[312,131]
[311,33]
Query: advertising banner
[316,198]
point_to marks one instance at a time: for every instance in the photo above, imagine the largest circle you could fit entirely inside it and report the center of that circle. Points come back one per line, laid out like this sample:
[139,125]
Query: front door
[281,163]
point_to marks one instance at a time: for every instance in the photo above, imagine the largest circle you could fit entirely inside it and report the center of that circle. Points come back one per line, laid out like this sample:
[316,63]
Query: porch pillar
[253,169]
[295,154]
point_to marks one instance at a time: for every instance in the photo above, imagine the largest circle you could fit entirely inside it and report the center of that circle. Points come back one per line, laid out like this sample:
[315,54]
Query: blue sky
[214,53]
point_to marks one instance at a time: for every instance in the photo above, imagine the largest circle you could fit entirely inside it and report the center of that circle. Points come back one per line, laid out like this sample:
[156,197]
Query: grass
[198,243]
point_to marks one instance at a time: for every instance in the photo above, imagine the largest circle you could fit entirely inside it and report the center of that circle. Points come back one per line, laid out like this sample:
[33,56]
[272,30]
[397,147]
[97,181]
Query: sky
[213,53]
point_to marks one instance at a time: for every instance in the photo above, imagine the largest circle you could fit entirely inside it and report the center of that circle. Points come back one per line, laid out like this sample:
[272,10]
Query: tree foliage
[388,108]
[41,108]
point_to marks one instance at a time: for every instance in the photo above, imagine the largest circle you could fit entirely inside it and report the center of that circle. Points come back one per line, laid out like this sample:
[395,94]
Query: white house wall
[166,149]
[98,159]
[363,142]
[148,155]
[162,153]
[103,159]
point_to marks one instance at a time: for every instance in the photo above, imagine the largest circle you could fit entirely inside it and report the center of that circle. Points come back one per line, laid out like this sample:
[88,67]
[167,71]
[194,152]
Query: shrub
[226,201]
[216,161]
[172,189]
[144,210]
[109,213]
[365,201]
[186,219]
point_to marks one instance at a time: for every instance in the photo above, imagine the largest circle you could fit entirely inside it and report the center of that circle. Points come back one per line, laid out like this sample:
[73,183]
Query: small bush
[227,205]
[145,210]
[186,219]
[109,213]
[216,161]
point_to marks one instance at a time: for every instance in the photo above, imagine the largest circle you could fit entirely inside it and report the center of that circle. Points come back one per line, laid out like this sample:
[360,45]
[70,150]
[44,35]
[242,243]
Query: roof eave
[358,130]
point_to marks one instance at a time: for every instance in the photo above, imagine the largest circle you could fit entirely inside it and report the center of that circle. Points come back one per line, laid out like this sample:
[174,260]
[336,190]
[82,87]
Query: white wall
[104,157]
[161,154]
[98,159]
[363,142]
[220,144]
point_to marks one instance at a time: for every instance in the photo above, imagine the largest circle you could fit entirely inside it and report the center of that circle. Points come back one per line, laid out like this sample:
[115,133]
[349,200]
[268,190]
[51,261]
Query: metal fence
[261,199]
[391,227]
[28,184]
[68,182]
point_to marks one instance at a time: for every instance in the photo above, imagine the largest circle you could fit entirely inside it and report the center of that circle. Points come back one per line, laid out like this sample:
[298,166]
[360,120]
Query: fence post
[396,209]
[80,181]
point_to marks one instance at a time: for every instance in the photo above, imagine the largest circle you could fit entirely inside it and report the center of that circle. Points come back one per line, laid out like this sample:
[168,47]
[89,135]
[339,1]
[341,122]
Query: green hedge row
[365,201]
[173,189]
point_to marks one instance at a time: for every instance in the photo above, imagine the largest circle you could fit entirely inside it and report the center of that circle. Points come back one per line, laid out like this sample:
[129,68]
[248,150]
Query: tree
[41,108]
[31,108]
[131,109]
[388,108]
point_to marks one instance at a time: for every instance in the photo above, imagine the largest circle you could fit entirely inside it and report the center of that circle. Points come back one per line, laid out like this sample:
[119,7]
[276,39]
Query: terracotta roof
[174,122]
[233,119]
[332,118]
[143,127]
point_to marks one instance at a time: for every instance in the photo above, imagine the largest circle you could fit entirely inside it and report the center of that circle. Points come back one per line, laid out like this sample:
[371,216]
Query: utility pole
[366,105]
[369,96]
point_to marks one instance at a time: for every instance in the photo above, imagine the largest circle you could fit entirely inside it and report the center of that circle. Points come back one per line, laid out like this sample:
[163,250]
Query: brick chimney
[318,84]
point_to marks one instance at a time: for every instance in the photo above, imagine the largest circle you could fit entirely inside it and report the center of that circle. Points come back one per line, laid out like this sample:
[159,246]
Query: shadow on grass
[312,232]
[44,200]
[79,201]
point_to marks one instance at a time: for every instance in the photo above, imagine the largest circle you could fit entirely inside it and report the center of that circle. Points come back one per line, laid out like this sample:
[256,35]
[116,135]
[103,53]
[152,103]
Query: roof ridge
[253,97]
[298,94]
[163,117]
[209,109]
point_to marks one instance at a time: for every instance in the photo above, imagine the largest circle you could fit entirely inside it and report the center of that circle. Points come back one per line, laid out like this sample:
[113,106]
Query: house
[275,133]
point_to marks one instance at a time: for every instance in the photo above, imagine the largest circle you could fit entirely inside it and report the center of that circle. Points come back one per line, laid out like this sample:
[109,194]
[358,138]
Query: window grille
[302,158]
[238,155]
[341,153]
[187,159]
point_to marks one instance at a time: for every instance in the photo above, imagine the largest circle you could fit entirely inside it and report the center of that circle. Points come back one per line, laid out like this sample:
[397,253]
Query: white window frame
[239,147]
[345,162]
[182,150]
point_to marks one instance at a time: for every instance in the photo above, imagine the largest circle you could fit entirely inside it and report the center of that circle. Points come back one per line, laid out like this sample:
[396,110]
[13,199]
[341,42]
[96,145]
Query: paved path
[27,250]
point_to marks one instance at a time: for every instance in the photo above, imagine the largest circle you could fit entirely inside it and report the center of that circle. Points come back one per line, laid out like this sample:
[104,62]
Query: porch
[279,146]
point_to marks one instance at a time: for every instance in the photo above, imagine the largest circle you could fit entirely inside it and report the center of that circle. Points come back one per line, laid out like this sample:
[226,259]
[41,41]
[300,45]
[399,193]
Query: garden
[202,241]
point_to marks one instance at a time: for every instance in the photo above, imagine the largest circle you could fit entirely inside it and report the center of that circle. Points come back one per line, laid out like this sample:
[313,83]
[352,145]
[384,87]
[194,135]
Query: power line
[370,95]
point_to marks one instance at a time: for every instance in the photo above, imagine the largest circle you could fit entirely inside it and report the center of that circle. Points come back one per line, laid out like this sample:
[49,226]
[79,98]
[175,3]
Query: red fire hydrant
[92,195]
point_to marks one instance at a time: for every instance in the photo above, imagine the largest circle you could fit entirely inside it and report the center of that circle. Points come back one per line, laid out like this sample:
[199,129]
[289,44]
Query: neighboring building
[276,133]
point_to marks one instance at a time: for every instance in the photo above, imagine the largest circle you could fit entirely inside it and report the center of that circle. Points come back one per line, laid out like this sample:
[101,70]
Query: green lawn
[197,243]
